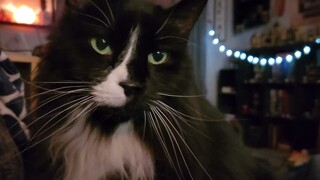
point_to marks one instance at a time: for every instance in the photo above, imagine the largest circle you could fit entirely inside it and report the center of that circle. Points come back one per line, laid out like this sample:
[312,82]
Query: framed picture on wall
[309,8]
[250,13]
[29,12]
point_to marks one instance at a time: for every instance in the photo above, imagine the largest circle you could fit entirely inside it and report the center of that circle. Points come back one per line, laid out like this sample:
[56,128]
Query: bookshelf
[278,106]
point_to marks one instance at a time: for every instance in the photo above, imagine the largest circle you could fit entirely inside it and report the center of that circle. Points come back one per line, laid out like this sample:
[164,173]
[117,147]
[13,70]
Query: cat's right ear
[76,4]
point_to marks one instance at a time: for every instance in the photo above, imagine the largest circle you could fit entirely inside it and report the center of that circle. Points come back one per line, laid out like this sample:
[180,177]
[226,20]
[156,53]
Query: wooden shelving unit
[275,111]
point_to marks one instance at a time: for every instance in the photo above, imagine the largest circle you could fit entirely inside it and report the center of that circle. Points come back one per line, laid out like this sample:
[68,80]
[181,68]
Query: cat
[117,100]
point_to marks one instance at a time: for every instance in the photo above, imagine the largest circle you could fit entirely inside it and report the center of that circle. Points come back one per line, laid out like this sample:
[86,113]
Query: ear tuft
[186,14]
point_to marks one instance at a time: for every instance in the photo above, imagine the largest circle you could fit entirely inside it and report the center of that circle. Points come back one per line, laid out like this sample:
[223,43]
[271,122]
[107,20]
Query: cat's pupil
[158,56]
[101,43]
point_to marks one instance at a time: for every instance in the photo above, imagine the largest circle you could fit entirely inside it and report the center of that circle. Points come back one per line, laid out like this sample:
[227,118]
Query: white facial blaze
[109,92]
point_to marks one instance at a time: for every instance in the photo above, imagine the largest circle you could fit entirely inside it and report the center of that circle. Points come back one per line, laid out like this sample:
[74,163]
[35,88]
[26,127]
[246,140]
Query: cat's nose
[131,88]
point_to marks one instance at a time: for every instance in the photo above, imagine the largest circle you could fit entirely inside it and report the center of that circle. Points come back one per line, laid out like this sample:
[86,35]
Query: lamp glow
[318,40]
[263,62]
[250,59]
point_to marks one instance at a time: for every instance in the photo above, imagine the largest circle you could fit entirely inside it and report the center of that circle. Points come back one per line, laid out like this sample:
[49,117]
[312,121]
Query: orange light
[23,14]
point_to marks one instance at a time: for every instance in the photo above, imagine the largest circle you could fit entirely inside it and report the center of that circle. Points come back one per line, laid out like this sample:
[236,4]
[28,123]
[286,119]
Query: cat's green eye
[101,46]
[158,57]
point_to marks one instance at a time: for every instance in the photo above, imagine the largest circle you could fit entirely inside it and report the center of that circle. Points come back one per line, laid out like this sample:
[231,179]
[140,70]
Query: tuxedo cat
[117,100]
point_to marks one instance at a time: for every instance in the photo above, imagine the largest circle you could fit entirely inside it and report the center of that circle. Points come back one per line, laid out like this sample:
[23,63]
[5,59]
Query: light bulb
[212,33]
[237,54]
[263,62]
[289,58]
[255,60]
[279,60]
[215,41]
[298,54]
[271,61]
[243,56]
[229,53]
[307,50]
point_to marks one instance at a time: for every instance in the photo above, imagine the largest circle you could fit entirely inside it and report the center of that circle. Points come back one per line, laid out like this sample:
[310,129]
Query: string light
[289,57]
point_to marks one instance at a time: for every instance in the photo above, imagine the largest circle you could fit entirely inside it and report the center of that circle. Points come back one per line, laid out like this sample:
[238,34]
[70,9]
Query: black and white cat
[117,100]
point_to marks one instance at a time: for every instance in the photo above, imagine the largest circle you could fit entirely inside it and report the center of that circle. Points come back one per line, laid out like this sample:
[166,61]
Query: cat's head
[129,51]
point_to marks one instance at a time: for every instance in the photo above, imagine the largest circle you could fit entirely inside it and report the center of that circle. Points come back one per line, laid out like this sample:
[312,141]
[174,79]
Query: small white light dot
[250,59]
[318,40]
[263,62]
[255,60]
[243,56]
[215,41]
[229,53]
[279,60]
[298,54]
[237,54]
[271,61]
[306,50]
[222,48]
[212,33]
[289,58]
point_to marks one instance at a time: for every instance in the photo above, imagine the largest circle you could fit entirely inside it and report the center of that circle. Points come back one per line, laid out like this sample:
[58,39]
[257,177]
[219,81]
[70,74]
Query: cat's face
[128,52]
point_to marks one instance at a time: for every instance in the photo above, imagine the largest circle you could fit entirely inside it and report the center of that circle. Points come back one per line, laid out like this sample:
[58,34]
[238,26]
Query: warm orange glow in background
[22,14]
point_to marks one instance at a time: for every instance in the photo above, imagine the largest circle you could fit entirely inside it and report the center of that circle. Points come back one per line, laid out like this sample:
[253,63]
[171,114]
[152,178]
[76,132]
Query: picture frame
[248,14]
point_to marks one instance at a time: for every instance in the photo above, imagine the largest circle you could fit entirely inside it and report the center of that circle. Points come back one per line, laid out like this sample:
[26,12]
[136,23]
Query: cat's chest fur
[90,155]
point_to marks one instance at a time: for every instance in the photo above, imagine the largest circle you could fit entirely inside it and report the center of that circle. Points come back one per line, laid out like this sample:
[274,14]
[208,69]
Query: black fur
[69,58]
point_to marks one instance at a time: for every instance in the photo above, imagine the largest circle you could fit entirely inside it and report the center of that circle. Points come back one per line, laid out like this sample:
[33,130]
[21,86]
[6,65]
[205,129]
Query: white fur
[91,156]
[109,92]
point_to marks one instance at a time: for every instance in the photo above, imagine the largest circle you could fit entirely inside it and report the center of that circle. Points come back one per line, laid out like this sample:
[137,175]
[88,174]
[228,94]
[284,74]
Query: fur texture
[117,100]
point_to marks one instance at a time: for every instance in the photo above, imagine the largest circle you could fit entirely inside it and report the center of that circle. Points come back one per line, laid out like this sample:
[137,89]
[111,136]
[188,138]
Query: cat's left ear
[185,14]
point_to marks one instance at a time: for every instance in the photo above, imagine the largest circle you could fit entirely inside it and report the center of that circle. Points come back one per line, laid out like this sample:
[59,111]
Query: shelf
[20,58]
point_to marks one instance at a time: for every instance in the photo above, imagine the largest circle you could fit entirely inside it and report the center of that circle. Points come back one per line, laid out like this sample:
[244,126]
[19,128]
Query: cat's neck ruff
[88,154]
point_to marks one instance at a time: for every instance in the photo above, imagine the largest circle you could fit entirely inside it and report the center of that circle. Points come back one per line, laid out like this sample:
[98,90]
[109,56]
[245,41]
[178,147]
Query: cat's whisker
[171,137]
[61,82]
[36,120]
[144,124]
[110,10]
[78,105]
[104,14]
[189,149]
[166,21]
[156,130]
[87,109]
[94,18]
[185,115]
[174,115]
[181,96]
[174,37]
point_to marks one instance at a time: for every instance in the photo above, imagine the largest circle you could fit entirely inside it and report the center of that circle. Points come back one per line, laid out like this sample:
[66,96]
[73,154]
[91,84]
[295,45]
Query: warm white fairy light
[289,57]
[297,54]
[263,62]
[229,53]
[279,60]
[237,54]
[306,50]
[255,60]
[222,48]
[212,33]
[215,41]
[271,61]
[243,56]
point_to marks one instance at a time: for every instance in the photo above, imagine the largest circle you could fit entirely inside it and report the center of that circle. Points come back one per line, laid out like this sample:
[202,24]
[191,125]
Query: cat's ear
[185,14]
[77,4]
